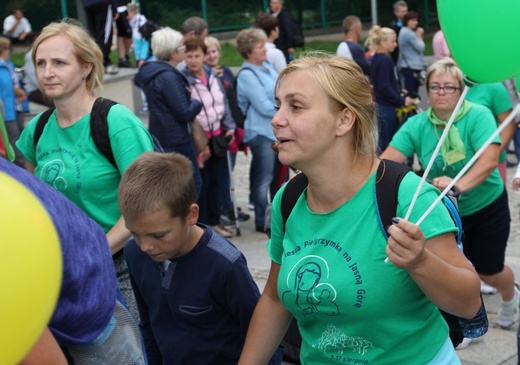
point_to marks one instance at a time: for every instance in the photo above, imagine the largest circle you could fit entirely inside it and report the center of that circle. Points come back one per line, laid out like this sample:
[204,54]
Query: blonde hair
[132,7]
[5,44]
[213,42]
[376,35]
[247,39]
[164,42]
[343,82]
[86,49]
[442,67]
[156,180]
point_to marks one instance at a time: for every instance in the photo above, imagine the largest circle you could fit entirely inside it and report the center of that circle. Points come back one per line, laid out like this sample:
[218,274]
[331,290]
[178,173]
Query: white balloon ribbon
[436,151]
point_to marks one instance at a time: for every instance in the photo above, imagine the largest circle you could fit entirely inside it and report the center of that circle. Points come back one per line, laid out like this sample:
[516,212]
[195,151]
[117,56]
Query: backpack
[148,28]
[231,93]
[389,177]
[98,128]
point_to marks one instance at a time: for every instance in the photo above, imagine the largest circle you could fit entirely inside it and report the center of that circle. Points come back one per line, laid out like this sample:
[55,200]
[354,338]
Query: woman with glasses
[171,108]
[483,202]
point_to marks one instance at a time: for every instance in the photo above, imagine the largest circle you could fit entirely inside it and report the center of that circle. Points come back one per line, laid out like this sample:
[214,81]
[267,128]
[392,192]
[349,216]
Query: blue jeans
[261,175]
[188,150]
[387,124]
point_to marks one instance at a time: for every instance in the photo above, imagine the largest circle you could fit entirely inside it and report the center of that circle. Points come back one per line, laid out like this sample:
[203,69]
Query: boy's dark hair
[194,43]
[267,22]
[155,180]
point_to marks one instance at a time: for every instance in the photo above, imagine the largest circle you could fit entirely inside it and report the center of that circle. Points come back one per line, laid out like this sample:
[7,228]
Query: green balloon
[483,37]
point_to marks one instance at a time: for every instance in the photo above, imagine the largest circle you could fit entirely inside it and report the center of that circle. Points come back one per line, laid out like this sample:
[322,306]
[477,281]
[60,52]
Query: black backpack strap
[291,194]
[40,125]
[99,128]
[388,178]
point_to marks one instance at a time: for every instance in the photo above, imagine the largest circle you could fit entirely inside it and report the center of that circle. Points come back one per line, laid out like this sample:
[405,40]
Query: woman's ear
[87,69]
[345,122]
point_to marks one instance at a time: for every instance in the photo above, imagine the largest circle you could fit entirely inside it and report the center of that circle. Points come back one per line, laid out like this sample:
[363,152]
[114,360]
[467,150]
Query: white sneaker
[508,313]
[465,343]
[487,289]
[111,69]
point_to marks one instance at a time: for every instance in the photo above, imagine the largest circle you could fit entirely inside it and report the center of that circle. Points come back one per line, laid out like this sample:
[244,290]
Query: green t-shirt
[493,96]
[418,135]
[351,306]
[68,160]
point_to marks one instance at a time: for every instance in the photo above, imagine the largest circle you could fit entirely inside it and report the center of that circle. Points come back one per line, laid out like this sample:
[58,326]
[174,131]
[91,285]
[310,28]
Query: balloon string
[471,162]
[436,151]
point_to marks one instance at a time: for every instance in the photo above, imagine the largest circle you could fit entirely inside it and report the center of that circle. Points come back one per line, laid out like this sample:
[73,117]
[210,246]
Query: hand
[405,246]
[420,32]
[408,101]
[516,183]
[442,182]
[20,94]
[205,154]
[230,136]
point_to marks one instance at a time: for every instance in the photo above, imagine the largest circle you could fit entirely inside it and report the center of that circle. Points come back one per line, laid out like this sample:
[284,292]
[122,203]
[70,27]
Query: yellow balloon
[30,269]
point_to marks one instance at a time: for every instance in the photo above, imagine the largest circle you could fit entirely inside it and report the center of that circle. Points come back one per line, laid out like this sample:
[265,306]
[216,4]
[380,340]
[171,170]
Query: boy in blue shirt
[193,289]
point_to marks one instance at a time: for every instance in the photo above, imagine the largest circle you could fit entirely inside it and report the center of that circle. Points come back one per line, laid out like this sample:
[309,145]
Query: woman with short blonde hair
[69,67]
[85,48]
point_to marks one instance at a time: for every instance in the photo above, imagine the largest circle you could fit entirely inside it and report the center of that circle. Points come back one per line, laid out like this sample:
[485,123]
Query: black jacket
[286,25]
[169,102]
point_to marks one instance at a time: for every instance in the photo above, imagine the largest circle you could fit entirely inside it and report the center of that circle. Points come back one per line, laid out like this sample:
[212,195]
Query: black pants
[98,21]
[411,81]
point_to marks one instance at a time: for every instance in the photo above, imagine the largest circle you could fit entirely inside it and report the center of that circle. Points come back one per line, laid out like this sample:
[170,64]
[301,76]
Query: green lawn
[230,56]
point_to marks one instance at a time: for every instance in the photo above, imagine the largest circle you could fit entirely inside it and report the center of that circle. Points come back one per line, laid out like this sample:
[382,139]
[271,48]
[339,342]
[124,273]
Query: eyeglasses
[447,89]
[180,48]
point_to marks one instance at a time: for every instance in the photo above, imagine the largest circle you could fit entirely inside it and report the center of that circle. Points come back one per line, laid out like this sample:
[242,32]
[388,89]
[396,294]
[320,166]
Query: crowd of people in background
[168,233]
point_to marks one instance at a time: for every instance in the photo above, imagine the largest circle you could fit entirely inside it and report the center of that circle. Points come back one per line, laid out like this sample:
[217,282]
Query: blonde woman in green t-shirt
[328,266]
[69,68]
